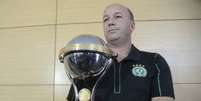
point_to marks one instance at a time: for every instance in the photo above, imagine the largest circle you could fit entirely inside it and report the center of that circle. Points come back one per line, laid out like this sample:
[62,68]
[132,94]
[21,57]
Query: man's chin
[113,40]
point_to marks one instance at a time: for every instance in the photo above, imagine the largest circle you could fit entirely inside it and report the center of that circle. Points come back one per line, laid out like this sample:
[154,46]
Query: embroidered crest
[139,70]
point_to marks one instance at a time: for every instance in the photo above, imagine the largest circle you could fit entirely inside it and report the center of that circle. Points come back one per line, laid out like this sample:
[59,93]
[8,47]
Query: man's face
[117,24]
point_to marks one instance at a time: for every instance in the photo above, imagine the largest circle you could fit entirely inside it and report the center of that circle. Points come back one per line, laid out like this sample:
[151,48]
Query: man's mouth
[113,30]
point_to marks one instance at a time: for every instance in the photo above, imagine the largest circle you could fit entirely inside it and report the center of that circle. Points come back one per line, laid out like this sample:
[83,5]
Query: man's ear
[132,26]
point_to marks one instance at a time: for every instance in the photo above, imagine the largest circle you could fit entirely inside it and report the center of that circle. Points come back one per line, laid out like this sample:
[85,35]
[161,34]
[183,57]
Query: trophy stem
[86,94]
[74,87]
[108,65]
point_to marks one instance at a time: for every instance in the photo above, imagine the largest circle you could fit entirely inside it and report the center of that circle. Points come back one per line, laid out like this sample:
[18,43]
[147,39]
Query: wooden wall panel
[26,93]
[27,55]
[188,92]
[79,11]
[27,12]
[61,92]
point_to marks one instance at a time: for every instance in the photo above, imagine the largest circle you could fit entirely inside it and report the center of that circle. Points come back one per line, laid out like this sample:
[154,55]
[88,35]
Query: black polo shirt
[138,77]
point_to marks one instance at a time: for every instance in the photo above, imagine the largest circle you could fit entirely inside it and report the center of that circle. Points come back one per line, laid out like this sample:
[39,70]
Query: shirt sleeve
[162,81]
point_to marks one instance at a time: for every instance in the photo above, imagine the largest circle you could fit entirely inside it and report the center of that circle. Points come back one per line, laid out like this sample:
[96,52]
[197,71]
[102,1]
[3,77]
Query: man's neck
[121,50]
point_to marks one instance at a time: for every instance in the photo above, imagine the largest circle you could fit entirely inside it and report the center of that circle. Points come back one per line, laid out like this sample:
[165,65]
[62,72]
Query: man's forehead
[115,8]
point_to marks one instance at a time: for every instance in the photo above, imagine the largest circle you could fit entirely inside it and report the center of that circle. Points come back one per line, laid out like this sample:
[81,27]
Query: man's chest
[128,80]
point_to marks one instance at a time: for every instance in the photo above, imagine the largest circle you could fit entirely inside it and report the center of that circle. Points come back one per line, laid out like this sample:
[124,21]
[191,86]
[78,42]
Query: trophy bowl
[82,64]
[84,57]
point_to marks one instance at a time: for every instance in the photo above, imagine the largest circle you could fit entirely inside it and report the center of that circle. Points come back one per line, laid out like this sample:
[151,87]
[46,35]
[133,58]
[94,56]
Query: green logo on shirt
[139,70]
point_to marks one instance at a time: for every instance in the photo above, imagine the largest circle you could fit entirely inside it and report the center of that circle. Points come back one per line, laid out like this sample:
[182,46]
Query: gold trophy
[84,57]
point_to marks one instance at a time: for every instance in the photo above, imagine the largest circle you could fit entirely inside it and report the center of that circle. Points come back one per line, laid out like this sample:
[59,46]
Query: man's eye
[105,19]
[118,16]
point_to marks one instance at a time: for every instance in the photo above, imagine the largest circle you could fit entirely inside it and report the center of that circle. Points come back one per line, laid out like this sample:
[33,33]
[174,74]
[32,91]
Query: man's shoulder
[151,56]
[143,55]
[147,54]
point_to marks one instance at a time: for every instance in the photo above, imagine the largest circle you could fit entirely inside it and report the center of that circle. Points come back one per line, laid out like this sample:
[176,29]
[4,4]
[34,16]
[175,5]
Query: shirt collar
[134,54]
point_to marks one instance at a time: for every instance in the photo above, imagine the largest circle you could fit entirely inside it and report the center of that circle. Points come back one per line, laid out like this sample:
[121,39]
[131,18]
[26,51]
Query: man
[135,75]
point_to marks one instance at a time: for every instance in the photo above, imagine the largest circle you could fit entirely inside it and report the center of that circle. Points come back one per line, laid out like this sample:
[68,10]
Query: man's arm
[162,85]
[162,99]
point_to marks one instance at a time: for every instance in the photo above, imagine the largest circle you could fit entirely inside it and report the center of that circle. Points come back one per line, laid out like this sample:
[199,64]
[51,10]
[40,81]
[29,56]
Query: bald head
[126,8]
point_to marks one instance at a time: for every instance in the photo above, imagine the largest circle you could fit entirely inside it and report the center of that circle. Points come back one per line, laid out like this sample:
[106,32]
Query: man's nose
[111,22]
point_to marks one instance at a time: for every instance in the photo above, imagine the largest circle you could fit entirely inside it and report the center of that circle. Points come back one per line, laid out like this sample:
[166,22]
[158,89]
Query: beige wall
[33,31]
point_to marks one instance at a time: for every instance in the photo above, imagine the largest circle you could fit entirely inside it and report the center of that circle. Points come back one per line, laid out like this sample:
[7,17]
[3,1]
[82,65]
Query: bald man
[135,75]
